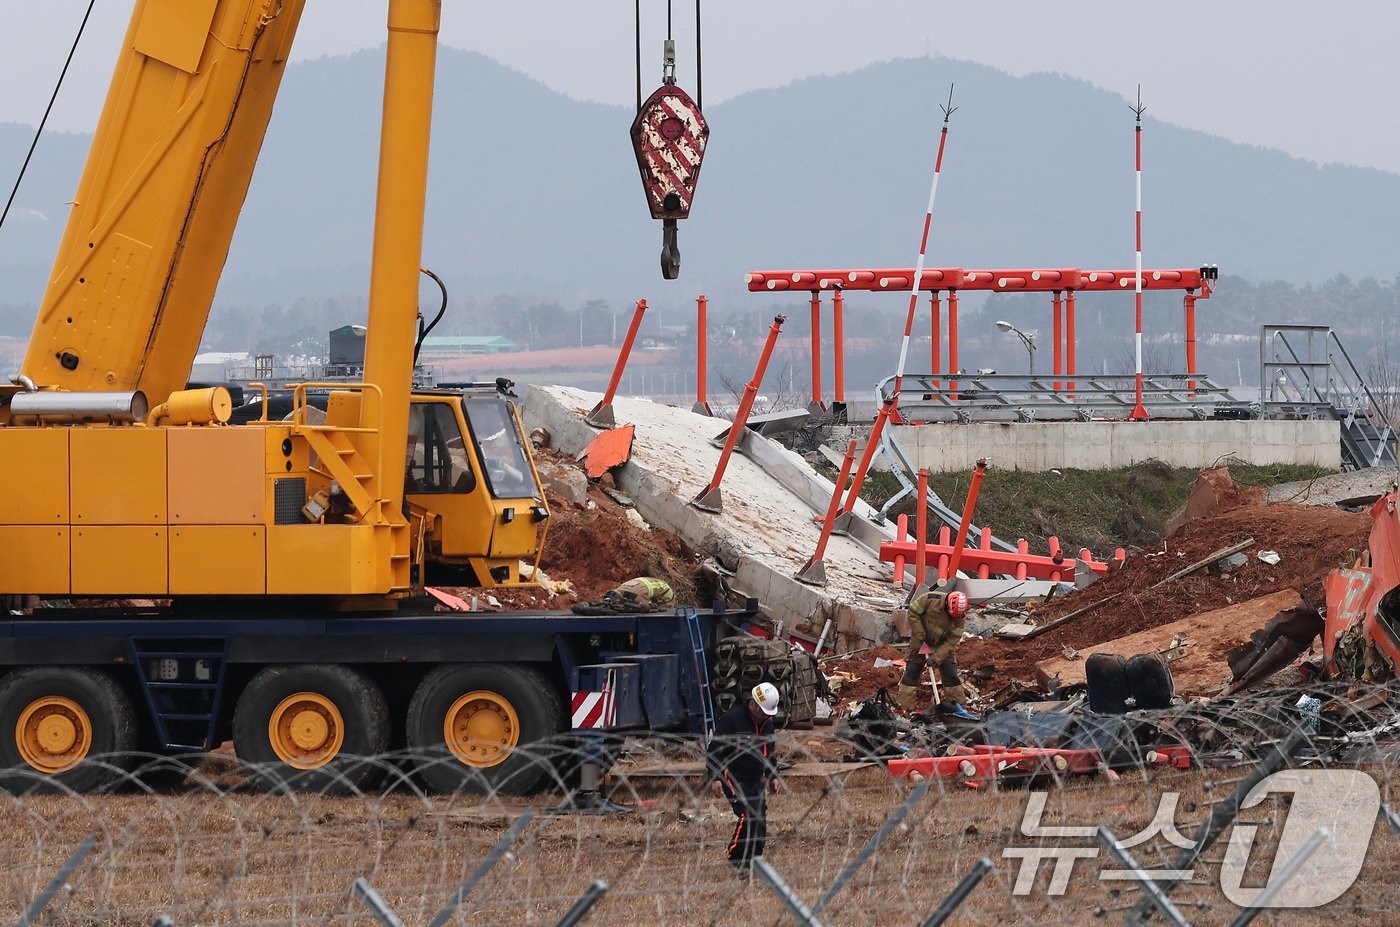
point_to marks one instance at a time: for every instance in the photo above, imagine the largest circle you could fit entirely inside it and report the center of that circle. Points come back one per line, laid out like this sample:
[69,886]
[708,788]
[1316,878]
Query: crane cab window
[437,455]
[508,472]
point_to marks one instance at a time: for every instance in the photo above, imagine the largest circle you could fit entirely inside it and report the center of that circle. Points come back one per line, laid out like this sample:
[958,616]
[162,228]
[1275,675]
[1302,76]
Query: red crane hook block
[669,136]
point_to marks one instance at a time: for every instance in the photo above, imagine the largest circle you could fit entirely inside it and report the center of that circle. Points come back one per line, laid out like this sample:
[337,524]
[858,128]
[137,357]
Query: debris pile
[595,542]
[1309,541]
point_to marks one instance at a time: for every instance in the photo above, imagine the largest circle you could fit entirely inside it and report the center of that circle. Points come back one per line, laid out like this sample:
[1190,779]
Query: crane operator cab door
[472,486]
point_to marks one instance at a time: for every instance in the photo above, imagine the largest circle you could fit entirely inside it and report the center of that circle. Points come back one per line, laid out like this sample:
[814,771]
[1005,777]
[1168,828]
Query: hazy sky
[1315,80]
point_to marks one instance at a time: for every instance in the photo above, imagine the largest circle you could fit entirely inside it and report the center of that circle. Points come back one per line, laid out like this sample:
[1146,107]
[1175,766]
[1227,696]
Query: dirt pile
[868,677]
[594,545]
[1309,540]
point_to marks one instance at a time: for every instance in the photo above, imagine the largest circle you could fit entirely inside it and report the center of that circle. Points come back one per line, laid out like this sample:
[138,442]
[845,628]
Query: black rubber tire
[358,764]
[1107,677]
[537,704]
[1150,680]
[110,714]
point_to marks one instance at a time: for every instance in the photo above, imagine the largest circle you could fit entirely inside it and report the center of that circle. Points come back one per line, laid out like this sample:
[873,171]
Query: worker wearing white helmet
[744,770]
[936,618]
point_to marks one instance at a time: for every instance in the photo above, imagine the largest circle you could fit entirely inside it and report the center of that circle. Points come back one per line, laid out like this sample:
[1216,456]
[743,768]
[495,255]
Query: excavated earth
[1310,541]
[592,546]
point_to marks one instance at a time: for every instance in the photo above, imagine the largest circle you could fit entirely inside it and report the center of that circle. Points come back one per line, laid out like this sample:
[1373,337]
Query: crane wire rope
[34,144]
[699,60]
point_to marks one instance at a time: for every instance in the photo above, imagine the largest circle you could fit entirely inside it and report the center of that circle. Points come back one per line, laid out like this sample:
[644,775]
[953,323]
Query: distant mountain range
[536,195]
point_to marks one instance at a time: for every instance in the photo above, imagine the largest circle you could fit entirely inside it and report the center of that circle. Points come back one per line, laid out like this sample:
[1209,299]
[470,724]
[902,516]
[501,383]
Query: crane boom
[172,156]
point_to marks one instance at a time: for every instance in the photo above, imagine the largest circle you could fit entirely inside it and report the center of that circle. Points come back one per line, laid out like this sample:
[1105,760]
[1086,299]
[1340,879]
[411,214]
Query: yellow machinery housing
[100,498]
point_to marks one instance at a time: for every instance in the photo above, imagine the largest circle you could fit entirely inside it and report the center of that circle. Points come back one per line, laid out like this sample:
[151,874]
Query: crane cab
[474,496]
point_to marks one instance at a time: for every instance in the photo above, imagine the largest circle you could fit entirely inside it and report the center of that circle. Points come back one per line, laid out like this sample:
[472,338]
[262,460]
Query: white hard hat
[765,696]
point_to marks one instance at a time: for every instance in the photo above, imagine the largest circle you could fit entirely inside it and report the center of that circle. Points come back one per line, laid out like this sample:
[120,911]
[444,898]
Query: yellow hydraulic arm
[155,210]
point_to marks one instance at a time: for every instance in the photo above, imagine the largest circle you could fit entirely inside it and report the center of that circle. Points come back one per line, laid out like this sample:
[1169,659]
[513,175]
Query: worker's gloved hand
[777,787]
[716,789]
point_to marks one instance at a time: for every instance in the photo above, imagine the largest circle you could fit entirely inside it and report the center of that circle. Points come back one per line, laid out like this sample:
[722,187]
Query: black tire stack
[740,663]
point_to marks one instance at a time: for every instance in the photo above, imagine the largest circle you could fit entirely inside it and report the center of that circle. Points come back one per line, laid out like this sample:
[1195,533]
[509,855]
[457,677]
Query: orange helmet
[957,604]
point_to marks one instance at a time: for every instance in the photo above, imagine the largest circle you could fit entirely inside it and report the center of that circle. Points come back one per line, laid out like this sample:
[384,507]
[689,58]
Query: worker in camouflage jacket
[936,618]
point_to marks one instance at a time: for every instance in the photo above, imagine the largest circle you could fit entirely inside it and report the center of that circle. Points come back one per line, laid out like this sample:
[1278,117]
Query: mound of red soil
[595,546]
[1310,541]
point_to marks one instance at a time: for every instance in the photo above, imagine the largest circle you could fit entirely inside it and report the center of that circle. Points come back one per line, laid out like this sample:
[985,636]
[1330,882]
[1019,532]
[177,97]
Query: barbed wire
[855,838]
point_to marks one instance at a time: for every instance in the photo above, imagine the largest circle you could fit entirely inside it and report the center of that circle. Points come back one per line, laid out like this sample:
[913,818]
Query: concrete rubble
[1234,569]
[766,531]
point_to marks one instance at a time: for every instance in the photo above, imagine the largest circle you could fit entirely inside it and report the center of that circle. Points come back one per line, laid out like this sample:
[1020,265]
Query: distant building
[218,366]
[451,347]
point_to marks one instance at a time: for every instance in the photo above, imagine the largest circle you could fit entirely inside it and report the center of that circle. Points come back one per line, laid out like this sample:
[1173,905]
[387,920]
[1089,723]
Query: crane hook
[670,251]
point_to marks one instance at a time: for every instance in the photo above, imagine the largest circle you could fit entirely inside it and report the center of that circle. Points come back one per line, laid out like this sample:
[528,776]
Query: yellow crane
[116,481]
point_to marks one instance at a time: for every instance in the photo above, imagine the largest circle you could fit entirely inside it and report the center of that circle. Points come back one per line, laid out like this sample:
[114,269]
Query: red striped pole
[889,408]
[923,248]
[1139,414]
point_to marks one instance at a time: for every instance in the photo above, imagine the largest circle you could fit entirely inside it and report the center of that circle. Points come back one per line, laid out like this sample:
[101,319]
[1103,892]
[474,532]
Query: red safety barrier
[990,762]
[984,561]
[1043,279]
[901,532]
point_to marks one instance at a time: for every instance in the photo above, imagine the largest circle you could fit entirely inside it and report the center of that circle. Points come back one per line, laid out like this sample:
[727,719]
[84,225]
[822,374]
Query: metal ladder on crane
[701,666]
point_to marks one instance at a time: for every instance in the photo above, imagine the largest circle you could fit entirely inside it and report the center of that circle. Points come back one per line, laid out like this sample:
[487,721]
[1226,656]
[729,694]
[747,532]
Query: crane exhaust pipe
[68,408]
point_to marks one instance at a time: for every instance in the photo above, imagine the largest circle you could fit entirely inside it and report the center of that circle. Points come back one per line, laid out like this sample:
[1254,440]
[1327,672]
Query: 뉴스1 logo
[1342,802]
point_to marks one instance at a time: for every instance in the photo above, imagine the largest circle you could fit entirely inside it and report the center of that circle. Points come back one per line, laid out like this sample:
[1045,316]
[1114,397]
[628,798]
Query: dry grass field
[208,851]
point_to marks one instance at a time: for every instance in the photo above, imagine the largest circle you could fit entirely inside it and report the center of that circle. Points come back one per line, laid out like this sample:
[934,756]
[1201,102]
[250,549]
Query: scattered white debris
[1270,557]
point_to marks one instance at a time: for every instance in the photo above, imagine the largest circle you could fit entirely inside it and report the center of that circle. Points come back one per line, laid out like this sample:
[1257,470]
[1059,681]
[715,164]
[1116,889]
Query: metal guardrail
[1002,397]
[1306,373]
[906,473]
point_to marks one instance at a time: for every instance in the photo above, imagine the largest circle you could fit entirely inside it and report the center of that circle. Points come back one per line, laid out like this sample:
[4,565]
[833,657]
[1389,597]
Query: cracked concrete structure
[769,525]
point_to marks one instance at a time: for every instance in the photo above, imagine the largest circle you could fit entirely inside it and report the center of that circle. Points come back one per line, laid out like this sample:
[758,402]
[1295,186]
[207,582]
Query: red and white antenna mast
[923,249]
[889,409]
[1139,414]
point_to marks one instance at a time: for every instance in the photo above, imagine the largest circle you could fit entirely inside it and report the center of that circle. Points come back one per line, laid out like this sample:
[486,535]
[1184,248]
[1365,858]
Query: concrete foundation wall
[1109,445]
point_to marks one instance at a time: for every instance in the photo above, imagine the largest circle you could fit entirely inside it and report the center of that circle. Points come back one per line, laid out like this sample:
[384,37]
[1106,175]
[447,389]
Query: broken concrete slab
[1201,670]
[561,482]
[771,423]
[765,534]
[1005,590]
[1355,488]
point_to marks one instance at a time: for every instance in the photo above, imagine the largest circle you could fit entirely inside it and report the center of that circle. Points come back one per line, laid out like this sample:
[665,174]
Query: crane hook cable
[47,110]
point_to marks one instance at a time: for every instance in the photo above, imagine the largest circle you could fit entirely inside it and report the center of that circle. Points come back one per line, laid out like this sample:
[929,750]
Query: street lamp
[1027,340]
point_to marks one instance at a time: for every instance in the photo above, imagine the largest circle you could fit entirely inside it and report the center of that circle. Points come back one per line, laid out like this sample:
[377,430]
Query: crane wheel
[467,720]
[312,728]
[63,729]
